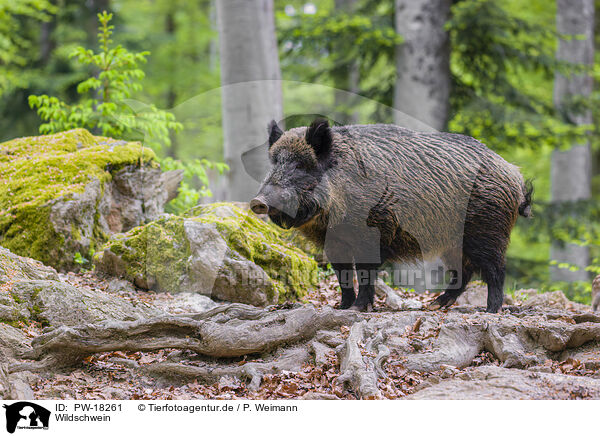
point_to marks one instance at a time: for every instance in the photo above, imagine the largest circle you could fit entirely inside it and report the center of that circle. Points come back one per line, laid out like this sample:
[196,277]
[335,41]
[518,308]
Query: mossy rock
[66,193]
[291,236]
[31,291]
[218,250]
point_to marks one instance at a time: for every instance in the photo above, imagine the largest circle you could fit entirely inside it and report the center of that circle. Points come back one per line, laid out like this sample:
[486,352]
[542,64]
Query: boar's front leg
[339,250]
[345,275]
[366,274]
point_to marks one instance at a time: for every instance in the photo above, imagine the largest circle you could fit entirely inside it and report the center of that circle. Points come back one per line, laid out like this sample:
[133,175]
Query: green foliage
[326,271]
[183,72]
[332,42]
[578,291]
[103,108]
[79,259]
[106,107]
[503,67]
[194,170]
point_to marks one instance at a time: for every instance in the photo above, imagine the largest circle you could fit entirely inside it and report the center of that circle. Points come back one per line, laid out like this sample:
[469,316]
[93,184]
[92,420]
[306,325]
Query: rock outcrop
[62,195]
[13,343]
[218,250]
[32,294]
[30,291]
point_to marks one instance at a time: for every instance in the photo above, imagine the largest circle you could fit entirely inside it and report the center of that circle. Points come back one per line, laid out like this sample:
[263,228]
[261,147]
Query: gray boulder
[13,344]
[184,303]
[217,250]
[14,268]
[31,291]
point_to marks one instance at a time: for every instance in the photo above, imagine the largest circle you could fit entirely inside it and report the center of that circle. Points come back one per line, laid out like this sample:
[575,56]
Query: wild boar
[374,193]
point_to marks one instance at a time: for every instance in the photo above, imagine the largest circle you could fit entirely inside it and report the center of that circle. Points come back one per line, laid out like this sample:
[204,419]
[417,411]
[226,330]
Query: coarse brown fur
[373,193]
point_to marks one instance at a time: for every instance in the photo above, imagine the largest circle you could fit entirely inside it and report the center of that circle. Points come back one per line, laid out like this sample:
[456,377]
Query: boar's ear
[274,132]
[318,136]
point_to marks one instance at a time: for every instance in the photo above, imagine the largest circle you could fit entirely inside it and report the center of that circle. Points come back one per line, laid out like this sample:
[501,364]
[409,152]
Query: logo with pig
[26,415]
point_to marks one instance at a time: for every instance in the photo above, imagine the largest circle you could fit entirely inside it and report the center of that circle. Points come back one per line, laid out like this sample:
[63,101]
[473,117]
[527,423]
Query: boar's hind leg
[345,275]
[487,254]
[450,295]
[493,275]
[366,274]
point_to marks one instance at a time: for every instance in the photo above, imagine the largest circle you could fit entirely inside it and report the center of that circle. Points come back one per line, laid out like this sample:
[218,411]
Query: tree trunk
[422,90]
[47,42]
[213,49]
[422,64]
[251,85]
[571,169]
[346,80]
[170,29]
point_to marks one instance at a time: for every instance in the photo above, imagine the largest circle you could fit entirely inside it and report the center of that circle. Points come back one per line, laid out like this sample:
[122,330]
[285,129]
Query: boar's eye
[306,181]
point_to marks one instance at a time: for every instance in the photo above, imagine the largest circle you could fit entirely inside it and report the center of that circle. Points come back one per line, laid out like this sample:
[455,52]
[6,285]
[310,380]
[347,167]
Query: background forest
[499,70]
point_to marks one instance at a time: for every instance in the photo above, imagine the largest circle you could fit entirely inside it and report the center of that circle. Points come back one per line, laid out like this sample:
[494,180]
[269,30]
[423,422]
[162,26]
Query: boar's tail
[525,206]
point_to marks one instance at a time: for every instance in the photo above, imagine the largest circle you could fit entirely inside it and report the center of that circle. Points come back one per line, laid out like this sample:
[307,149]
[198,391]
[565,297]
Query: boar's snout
[259,206]
[279,203]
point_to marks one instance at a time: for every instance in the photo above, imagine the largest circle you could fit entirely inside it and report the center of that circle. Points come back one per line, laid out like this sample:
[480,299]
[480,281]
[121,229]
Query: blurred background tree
[491,69]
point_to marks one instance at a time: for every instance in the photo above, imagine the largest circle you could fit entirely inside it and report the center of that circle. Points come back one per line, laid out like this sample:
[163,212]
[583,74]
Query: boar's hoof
[442,302]
[345,304]
[362,308]
[434,306]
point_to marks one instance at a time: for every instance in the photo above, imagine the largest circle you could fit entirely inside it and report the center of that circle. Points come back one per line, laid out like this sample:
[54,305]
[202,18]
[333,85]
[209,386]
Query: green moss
[29,233]
[17,298]
[158,250]
[18,323]
[34,171]
[35,315]
[158,253]
[75,232]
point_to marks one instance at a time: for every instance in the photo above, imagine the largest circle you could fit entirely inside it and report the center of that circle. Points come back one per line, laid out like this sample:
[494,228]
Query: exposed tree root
[289,360]
[279,339]
[356,369]
[232,331]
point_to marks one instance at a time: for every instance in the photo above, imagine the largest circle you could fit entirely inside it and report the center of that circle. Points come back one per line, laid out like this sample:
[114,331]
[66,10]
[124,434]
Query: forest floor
[122,374]
[110,375]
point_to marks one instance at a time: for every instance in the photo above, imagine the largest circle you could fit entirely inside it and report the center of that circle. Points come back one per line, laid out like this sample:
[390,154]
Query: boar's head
[295,189]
